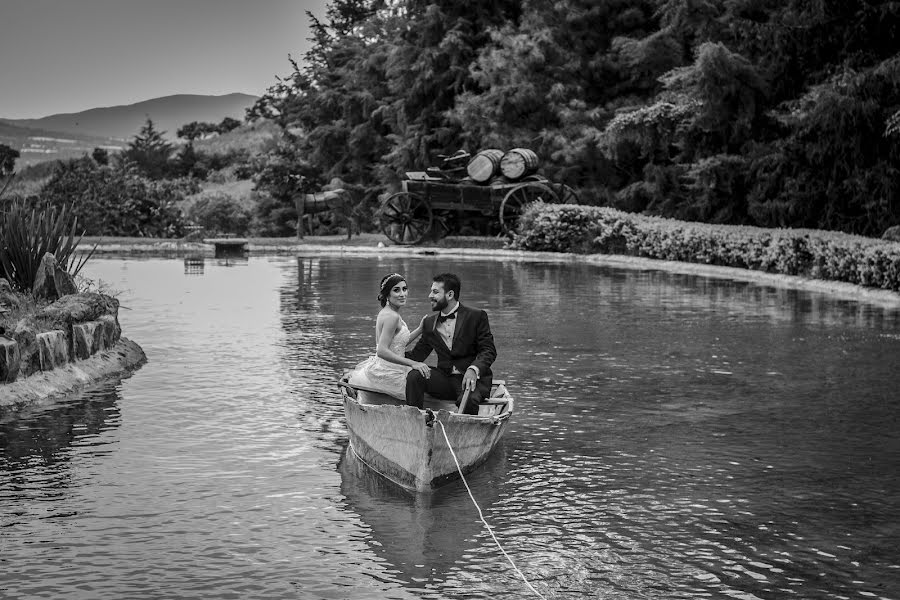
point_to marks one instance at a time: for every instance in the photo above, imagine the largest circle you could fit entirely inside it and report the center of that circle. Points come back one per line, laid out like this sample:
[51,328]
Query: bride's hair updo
[387,283]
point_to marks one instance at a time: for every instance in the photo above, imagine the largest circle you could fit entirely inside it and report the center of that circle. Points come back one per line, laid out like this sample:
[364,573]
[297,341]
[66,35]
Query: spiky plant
[29,232]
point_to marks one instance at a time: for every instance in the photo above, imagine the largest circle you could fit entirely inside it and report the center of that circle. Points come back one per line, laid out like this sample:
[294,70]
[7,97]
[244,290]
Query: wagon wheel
[406,218]
[567,195]
[535,177]
[515,200]
[445,223]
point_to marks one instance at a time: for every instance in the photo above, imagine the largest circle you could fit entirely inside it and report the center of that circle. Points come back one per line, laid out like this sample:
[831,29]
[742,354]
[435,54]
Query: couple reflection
[422,536]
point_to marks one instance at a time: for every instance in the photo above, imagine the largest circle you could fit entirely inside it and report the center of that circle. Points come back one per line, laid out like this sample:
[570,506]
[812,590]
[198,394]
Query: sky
[64,56]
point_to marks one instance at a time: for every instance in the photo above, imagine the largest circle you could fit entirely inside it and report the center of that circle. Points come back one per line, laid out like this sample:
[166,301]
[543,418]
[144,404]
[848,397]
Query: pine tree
[149,152]
[8,157]
[100,156]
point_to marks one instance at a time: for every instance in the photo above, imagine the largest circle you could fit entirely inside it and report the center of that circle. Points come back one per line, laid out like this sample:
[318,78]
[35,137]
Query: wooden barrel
[484,165]
[518,163]
[321,201]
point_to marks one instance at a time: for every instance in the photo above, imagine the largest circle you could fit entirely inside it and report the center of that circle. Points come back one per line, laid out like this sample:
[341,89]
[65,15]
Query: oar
[464,401]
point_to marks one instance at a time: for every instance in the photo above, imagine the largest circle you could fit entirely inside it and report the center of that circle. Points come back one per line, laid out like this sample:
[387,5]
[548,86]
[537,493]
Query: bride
[386,371]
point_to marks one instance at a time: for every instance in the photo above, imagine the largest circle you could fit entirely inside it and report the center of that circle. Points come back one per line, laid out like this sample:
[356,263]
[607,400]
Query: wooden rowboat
[407,445]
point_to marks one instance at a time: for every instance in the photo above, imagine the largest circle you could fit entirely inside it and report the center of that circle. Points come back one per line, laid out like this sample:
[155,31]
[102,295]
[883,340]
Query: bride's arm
[383,350]
[415,333]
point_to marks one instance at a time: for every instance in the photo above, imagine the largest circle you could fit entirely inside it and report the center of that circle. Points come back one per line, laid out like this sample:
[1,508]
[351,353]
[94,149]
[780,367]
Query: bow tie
[442,318]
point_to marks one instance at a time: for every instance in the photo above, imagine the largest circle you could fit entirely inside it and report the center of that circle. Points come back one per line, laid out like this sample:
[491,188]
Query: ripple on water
[675,437]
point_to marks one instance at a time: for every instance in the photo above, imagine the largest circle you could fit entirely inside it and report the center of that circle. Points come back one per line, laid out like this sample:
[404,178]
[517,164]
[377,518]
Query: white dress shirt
[446,331]
[448,327]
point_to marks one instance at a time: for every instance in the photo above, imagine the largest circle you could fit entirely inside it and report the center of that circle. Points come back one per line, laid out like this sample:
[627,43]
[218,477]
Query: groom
[461,337]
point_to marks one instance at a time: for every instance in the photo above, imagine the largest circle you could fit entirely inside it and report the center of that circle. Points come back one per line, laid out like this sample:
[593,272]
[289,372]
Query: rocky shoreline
[120,359]
[54,339]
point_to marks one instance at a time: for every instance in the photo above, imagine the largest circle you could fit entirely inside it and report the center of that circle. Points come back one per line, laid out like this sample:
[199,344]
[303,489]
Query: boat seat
[373,396]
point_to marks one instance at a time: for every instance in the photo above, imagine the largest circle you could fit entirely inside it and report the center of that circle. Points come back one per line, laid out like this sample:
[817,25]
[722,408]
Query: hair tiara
[388,277]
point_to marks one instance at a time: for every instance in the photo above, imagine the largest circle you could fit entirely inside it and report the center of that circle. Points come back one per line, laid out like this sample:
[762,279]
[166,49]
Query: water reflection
[682,294]
[641,396]
[196,264]
[422,536]
[675,437]
[42,433]
[36,449]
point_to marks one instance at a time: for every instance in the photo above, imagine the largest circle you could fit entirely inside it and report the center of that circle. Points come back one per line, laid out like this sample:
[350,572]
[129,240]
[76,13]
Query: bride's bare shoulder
[388,316]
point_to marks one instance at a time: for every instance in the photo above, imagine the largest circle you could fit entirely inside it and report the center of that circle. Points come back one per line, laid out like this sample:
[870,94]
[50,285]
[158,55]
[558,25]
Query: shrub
[274,218]
[813,253]
[562,228]
[27,233]
[219,213]
[114,201]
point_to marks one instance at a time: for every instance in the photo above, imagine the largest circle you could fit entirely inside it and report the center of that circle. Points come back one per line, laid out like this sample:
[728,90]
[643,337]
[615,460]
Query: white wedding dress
[381,375]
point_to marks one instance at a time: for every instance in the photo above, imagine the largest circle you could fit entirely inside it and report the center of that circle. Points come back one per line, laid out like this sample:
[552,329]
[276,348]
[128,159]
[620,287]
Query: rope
[481,515]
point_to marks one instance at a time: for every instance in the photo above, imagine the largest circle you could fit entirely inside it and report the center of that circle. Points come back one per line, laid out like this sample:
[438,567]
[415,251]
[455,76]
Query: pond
[675,437]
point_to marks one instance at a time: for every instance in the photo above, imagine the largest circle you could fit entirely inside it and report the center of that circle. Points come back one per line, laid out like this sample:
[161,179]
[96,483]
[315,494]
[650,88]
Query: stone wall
[82,325]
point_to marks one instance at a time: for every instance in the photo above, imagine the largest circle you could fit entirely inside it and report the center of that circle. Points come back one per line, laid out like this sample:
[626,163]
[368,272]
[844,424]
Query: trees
[328,113]
[744,111]
[198,129]
[429,65]
[227,124]
[550,80]
[219,214]
[149,152]
[8,157]
[371,98]
[780,119]
[837,167]
[115,201]
[100,156]
[194,130]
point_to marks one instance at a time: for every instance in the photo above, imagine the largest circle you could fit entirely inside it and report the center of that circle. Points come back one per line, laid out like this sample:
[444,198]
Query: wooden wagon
[434,204]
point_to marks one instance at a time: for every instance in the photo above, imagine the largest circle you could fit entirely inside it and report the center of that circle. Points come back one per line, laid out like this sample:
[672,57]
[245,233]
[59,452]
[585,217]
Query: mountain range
[70,135]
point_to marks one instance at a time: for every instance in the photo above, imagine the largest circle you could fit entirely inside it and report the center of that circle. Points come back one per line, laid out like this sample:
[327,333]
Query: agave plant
[29,232]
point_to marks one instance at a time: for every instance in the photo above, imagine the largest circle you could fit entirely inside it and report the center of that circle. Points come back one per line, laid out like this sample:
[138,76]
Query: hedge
[810,253]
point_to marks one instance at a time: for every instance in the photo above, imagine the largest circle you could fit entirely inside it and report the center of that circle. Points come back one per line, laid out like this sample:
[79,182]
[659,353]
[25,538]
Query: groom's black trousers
[446,387]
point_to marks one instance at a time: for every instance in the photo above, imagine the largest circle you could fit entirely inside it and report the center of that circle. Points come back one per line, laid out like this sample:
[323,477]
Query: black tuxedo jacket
[473,343]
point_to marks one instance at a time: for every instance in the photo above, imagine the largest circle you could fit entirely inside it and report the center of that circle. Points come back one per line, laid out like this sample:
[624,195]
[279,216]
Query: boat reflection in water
[423,536]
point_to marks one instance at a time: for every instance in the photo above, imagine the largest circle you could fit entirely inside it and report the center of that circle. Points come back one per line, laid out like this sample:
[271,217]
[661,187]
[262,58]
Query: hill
[39,145]
[122,122]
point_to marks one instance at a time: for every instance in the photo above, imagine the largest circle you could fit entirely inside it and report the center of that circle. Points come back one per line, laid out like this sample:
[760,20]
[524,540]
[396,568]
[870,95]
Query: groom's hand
[469,380]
